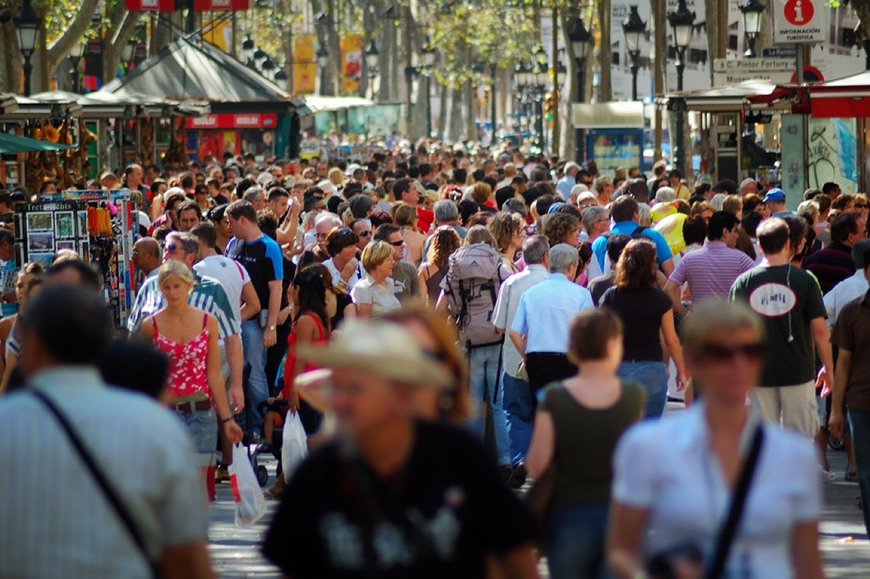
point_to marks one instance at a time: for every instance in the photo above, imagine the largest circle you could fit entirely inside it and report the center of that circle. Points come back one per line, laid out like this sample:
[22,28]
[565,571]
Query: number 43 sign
[800,21]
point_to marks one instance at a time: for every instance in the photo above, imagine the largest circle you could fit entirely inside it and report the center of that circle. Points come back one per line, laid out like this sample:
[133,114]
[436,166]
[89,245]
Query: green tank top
[585,442]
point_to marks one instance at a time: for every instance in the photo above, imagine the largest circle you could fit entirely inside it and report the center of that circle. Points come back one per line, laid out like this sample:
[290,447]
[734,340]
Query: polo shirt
[848,290]
[852,333]
[663,250]
[509,295]
[831,265]
[711,271]
[545,312]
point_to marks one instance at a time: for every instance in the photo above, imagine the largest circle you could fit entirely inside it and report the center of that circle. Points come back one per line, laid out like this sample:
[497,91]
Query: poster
[351,62]
[304,64]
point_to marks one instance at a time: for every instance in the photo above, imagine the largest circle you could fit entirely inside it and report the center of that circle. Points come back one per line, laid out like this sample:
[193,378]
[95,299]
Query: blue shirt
[545,312]
[663,250]
[565,185]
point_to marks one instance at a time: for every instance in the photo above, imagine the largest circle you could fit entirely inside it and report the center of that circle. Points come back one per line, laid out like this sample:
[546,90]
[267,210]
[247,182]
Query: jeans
[203,429]
[576,547]
[519,405]
[485,370]
[255,357]
[653,376]
[859,424]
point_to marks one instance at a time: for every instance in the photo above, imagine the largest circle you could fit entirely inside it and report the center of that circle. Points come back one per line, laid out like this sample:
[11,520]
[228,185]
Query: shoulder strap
[735,511]
[108,491]
[154,330]
[204,320]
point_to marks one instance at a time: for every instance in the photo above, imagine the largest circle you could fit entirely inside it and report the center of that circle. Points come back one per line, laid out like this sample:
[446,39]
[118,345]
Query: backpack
[471,288]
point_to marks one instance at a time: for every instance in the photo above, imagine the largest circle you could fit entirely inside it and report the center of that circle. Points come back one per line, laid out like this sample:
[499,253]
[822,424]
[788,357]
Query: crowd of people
[408,304]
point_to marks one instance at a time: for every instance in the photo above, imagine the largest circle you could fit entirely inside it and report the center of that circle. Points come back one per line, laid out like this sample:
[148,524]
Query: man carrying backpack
[469,293]
[624,213]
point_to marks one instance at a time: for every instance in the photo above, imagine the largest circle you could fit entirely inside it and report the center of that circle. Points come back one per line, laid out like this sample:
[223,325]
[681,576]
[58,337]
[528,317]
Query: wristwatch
[273,328]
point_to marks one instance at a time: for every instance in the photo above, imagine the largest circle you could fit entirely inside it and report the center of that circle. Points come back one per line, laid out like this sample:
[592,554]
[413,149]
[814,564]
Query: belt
[191,407]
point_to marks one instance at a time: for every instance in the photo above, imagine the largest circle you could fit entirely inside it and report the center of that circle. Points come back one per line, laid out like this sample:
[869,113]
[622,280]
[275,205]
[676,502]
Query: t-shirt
[438,517]
[641,311]
[852,333]
[599,285]
[263,260]
[406,281]
[231,275]
[787,298]
[382,298]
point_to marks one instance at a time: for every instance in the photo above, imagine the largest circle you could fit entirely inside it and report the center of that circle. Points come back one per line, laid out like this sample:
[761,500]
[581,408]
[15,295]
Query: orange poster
[351,62]
[304,64]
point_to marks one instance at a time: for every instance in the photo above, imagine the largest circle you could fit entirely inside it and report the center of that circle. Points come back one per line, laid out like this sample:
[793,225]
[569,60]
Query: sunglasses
[861,206]
[365,233]
[752,351]
[397,243]
[170,247]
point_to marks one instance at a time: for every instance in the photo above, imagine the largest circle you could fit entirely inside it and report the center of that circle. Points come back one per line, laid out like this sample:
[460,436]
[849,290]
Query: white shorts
[793,407]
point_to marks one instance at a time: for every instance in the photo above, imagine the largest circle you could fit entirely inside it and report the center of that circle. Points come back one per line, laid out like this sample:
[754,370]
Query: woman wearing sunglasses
[674,480]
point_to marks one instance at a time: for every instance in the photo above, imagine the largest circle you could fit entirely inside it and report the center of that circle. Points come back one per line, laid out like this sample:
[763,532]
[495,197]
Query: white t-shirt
[231,275]
[381,297]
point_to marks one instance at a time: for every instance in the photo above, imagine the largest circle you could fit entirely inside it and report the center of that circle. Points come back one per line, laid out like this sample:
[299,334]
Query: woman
[648,315]
[444,242]
[680,490]
[190,338]
[405,216]
[702,209]
[375,294]
[341,243]
[508,233]
[217,215]
[561,228]
[603,189]
[593,405]
[27,282]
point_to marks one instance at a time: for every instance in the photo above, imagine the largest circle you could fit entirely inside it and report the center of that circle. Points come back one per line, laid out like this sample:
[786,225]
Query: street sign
[752,65]
[800,21]
[774,77]
[150,5]
[778,52]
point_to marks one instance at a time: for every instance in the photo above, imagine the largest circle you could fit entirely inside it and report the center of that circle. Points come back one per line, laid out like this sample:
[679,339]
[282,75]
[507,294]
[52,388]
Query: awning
[729,98]
[616,115]
[14,144]
[324,104]
[844,98]
[28,109]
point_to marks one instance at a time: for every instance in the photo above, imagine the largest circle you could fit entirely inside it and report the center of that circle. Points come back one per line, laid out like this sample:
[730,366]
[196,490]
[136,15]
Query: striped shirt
[54,519]
[207,295]
[711,270]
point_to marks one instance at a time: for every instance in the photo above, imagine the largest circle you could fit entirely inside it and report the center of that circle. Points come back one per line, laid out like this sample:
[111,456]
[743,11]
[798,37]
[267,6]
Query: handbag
[661,566]
[112,496]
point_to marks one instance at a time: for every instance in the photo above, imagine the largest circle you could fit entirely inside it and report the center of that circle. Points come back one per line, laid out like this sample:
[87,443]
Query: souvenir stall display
[98,225]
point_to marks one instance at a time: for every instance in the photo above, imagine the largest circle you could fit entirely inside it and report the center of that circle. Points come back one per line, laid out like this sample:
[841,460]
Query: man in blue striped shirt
[207,295]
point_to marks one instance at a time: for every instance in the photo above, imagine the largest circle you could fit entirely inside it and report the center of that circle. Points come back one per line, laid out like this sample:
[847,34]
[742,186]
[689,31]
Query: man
[405,278]
[540,327]
[849,289]
[256,197]
[129,436]
[207,295]
[262,257]
[774,201]
[279,201]
[712,270]
[392,496]
[625,212]
[215,192]
[596,222]
[405,191]
[363,230]
[446,213]
[851,335]
[9,273]
[748,186]
[133,179]
[831,189]
[518,401]
[146,256]
[568,180]
[189,214]
[7,211]
[834,263]
[599,285]
[658,171]
[790,302]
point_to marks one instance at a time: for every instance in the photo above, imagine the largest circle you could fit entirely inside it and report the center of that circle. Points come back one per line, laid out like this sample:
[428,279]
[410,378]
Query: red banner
[202,5]
[150,5]
[239,121]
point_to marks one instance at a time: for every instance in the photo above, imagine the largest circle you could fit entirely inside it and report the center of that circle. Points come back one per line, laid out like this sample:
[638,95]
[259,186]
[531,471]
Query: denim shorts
[203,429]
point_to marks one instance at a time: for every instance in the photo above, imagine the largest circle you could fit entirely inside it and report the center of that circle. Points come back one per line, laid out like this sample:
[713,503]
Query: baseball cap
[776,195]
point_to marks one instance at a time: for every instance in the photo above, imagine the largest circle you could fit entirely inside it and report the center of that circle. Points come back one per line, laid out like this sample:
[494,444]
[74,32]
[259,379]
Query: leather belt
[191,407]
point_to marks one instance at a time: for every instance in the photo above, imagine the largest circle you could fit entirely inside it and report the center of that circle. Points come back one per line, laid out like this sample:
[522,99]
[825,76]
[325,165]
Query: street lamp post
[429,55]
[751,11]
[371,59]
[581,42]
[248,47]
[27,24]
[493,114]
[281,78]
[682,25]
[75,57]
[634,29]
[322,56]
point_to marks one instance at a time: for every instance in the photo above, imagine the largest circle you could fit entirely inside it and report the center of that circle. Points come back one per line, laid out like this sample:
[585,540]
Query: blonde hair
[375,254]
[335,176]
[481,192]
[503,227]
[174,268]
[405,215]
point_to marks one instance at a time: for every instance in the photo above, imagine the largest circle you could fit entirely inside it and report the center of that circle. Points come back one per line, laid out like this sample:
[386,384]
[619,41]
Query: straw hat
[380,348]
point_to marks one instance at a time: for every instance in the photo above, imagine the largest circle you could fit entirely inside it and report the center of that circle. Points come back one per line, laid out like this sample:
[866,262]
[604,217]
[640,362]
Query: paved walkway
[235,553]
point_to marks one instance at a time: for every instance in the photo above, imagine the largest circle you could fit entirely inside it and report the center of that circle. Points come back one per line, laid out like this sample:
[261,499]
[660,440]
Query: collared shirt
[848,290]
[231,275]
[545,312]
[207,295]
[336,274]
[663,250]
[565,185]
[682,487]
[711,271]
[852,333]
[831,265]
[69,529]
[509,294]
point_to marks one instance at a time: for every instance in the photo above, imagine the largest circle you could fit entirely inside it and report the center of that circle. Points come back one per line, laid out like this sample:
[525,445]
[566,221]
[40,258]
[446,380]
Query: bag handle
[108,491]
[735,512]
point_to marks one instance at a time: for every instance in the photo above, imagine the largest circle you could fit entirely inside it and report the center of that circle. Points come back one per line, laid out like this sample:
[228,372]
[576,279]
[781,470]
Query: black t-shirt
[264,261]
[641,311]
[437,518]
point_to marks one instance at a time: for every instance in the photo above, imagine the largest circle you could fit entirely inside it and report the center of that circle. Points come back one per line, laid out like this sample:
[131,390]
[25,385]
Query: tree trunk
[442,112]
[10,59]
[61,47]
[454,116]
[565,139]
[605,56]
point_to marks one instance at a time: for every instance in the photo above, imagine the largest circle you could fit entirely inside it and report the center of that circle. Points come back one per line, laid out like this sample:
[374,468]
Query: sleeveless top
[290,363]
[433,284]
[187,362]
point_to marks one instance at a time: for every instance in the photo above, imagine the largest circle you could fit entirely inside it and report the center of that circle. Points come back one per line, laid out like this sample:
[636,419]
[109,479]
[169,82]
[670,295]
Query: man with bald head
[146,256]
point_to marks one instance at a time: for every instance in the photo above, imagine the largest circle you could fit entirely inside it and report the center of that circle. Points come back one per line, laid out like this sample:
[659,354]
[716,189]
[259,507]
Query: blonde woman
[405,216]
[375,294]
[190,338]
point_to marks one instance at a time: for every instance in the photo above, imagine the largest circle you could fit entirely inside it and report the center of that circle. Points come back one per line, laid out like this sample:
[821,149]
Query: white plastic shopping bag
[294,448]
[250,503]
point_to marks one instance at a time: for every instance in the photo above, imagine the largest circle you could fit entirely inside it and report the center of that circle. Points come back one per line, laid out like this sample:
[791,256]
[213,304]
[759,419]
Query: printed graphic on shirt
[772,300]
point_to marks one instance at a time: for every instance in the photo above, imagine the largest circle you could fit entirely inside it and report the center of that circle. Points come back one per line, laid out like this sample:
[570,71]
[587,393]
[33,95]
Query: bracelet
[225,420]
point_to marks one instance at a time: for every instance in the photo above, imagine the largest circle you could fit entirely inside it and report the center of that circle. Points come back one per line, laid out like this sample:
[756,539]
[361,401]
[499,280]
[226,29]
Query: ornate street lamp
[281,78]
[260,57]
[248,47]
[428,56]
[634,30]
[371,55]
[75,57]
[322,57]
[27,24]
[268,67]
[581,43]
[682,25]
[751,10]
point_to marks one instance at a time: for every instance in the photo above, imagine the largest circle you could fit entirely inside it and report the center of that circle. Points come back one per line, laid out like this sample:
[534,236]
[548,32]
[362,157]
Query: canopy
[323,104]
[845,97]
[14,144]
[724,99]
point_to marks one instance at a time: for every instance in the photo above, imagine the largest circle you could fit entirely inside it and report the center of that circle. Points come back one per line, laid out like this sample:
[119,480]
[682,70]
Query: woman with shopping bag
[189,337]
